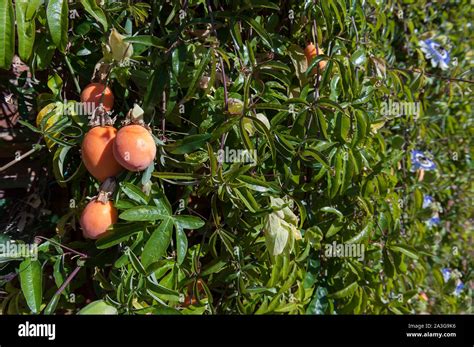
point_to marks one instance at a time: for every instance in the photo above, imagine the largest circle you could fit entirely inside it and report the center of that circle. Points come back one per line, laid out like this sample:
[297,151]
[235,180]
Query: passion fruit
[97,152]
[134,147]
[96,218]
[92,93]
[311,51]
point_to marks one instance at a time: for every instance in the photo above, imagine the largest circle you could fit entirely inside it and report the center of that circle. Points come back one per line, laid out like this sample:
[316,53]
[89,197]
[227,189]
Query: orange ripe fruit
[96,218]
[311,52]
[134,147]
[93,93]
[97,153]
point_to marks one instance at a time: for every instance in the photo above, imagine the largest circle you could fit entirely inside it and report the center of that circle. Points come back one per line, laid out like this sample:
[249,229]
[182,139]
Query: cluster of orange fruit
[106,151]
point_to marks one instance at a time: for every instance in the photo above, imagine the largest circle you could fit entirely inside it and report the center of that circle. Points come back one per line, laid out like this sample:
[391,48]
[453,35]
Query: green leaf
[157,82]
[55,83]
[118,233]
[328,209]
[58,163]
[98,307]
[133,192]
[176,175]
[349,290]
[160,289]
[362,125]
[314,154]
[312,272]
[300,62]
[343,127]
[405,249]
[314,62]
[362,235]
[189,222]
[245,136]
[33,6]
[271,106]
[145,213]
[53,303]
[7,34]
[263,4]
[260,31]
[26,29]
[262,128]
[258,185]
[136,264]
[188,144]
[245,200]
[388,265]
[181,244]
[95,11]
[331,104]
[197,76]
[147,40]
[158,243]
[319,304]
[359,57]
[57,14]
[323,124]
[31,281]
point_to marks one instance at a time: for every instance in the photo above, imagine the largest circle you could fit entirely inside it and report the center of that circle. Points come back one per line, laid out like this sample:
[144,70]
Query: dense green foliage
[331,166]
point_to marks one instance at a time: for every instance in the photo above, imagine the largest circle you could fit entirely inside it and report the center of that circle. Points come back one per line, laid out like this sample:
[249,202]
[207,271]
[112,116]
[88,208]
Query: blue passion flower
[436,53]
[420,161]
[446,274]
[433,221]
[459,288]
[427,201]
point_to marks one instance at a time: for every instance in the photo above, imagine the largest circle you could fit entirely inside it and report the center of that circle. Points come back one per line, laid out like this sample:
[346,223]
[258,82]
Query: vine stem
[451,79]
[83,255]
[315,38]
[76,82]
[163,119]
[356,32]
[67,281]
[23,156]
